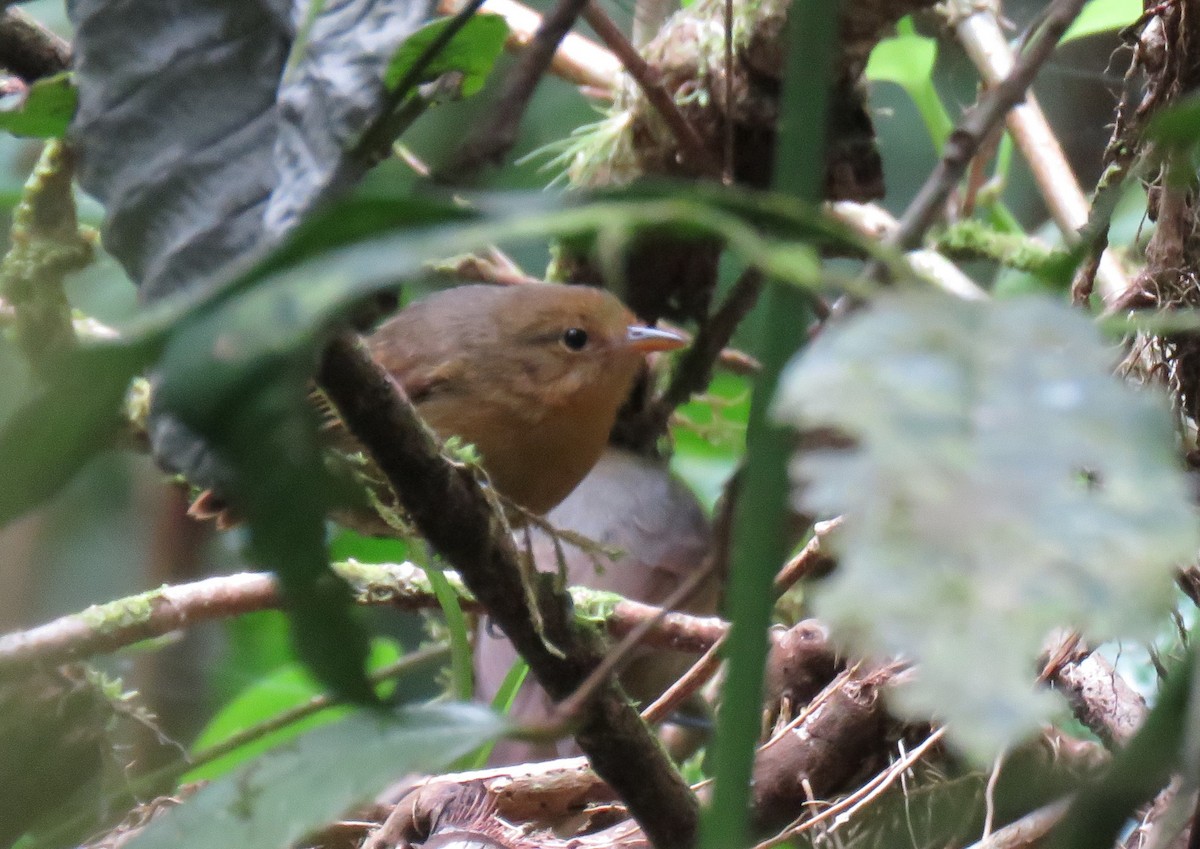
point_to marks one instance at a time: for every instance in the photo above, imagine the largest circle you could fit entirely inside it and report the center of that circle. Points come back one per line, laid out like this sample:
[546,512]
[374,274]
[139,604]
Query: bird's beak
[647,339]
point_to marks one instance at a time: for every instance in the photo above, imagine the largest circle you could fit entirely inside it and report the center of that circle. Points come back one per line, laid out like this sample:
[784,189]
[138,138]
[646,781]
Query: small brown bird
[531,375]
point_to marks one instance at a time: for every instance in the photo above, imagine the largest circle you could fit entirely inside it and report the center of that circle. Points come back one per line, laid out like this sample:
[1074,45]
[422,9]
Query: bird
[532,375]
[636,505]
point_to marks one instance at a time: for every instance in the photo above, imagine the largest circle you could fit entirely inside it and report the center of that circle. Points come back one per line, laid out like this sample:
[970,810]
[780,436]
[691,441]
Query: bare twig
[875,222]
[1100,698]
[808,560]
[691,144]
[1028,830]
[496,136]
[570,707]
[115,625]
[686,685]
[979,120]
[856,801]
[694,371]
[578,59]
[981,37]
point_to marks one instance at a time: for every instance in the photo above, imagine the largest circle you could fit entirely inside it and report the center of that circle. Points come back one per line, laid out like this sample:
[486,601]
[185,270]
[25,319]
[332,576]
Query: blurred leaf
[710,436]
[276,799]
[257,644]
[61,425]
[502,703]
[349,545]
[1179,124]
[1102,16]
[237,377]
[472,51]
[44,111]
[461,674]
[1003,483]
[270,695]
[907,59]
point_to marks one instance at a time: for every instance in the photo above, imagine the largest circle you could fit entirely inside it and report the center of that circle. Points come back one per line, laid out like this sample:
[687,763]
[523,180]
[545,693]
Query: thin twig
[686,685]
[984,42]
[578,59]
[859,799]
[496,136]
[988,111]
[570,707]
[694,371]
[808,560]
[1028,830]
[691,144]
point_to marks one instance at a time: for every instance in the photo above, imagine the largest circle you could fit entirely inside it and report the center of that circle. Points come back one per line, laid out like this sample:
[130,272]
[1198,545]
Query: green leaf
[1103,16]
[284,688]
[710,436]
[237,376]
[44,111]
[1002,484]
[907,60]
[60,426]
[1179,125]
[276,799]
[472,51]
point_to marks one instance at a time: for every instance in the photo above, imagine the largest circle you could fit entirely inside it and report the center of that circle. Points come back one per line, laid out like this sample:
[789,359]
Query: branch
[496,137]
[1028,830]
[981,37]
[1099,696]
[30,50]
[980,120]
[691,144]
[108,627]
[577,60]
[454,515]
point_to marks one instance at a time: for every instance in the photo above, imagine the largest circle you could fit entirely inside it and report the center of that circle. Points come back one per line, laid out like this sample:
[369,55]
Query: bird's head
[571,342]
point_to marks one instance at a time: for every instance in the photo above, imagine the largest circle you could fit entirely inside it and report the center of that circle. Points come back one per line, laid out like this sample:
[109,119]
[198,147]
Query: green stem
[760,529]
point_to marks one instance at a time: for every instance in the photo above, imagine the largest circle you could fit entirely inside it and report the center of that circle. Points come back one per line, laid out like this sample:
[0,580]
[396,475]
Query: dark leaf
[237,376]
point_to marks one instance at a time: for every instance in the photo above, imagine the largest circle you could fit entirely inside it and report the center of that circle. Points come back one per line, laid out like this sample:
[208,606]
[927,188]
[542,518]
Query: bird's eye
[575,338]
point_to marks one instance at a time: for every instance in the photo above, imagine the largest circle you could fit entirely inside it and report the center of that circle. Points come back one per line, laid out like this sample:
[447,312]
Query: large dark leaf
[200,146]
[209,130]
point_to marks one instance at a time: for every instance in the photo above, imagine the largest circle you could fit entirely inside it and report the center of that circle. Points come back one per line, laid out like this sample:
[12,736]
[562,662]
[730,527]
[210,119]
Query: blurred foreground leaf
[1103,16]
[278,798]
[1002,484]
[280,690]
[61,425]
